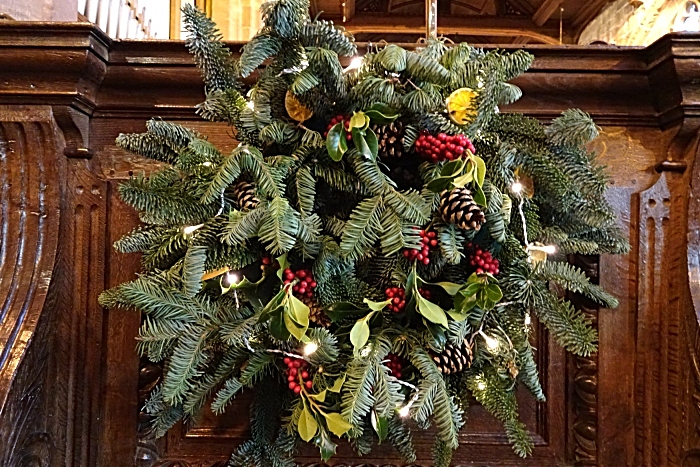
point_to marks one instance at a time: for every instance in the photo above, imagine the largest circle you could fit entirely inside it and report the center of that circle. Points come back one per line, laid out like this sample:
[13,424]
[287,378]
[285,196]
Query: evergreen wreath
[371,252]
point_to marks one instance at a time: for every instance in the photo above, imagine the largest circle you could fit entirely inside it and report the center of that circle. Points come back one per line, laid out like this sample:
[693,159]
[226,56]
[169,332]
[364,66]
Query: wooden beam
[348,8]
[545,11]
[451,25]
[587,13]
[522,6]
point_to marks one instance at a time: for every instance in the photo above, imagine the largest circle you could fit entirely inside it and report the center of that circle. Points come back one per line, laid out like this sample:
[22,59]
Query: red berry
[286,360]
[293,371]
[309,384]
[297,390]
[292,385]
[296,363]
[305,375]
[426,261]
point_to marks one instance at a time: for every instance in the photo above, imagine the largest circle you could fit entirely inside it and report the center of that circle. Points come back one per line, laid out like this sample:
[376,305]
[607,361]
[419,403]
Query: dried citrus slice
[296,109]
[461,106]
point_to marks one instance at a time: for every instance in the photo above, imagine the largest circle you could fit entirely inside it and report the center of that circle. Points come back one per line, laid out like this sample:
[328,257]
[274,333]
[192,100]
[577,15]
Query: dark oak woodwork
[71,385]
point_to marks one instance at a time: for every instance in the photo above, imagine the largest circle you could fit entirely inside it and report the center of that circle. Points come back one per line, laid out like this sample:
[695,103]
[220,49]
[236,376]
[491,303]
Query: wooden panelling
[71,385]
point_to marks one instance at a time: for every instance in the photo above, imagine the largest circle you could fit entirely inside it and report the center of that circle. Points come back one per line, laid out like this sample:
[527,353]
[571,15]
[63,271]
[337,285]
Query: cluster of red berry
[398,298]
[267,261]
[345,119]
[442,147]
[306,285]
[297,374]
[396,364]
[428,242]
[482,260]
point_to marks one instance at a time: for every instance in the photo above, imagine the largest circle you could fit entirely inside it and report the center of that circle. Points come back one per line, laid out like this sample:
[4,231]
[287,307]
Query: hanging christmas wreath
[373,250]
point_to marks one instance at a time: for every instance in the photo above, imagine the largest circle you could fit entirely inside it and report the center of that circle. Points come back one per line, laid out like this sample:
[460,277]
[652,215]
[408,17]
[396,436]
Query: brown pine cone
[245,196]
[454,359]
[459,208]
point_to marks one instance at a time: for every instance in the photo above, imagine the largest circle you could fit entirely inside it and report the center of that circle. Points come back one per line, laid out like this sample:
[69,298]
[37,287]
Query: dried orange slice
[461,106]
[296,109]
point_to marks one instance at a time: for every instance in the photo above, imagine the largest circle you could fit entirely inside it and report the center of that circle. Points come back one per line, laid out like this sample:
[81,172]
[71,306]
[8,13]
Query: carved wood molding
[29,219]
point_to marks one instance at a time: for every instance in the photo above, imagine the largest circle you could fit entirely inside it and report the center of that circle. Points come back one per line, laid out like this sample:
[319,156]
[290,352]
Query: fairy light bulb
[491,343]
[206,164]
[310,348]
[230,278]
[528,320]
[481,386]
[549,249]
[189,230]
[404,411]
[251,105]
[516,187]
[355,63]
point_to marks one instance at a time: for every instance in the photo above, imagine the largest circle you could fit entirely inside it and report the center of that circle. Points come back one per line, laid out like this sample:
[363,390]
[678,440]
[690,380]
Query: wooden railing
[70,380]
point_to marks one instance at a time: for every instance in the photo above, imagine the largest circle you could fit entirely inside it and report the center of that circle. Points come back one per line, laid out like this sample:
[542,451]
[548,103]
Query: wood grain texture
[75,397]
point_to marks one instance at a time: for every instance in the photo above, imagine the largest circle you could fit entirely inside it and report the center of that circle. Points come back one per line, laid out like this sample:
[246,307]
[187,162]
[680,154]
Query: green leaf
[359,120]
[338,385]
[449,287]
[277,327]
[336,142]
[284,264]
[325,446]
[480,170]
[340,311]
[376,306]
[321,396]
[431,311]
[380,425]
[381,118]
[273,306]
[459,317]
[294,329]
[463,180]
[359,334]
[298,311]
[493,292]
[452,168]
[440,184]
[479,196]
[307,426]
[336,423]
[371,138]
[361,143]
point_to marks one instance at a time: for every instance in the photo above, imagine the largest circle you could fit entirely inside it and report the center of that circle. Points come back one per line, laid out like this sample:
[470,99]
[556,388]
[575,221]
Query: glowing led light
[481,386]
[310,348]
[528,320]
[206,164]
[365,351]
[516,187]
[190,229]
[251,105]
[491,343]
[355,63]
[549,249]
[230,278]
[404,411]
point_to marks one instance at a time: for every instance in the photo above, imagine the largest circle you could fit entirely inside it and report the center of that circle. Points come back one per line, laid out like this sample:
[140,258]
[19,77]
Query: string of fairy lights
[536,252]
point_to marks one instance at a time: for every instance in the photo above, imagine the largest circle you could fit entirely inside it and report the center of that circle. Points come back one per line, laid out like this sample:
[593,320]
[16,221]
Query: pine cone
[454,359]
[390,139]
[458,207]
[245,196]
[316,313]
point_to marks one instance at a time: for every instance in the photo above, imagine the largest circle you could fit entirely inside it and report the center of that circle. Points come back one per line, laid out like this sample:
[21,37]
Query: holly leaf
[359,120]
[381,113]
[294,329]
[376,306]
[273,306]
[372,143]
[452,168]
[277,328]
[340,311]
[336,143]
[321,396]
[359,334]
[298,311]
[336,423]
[360,143]
[338,385]
[431,311]
[449,287]
[439,184]
[459,317]
[307,426]
[479,196]
[463,180]
[284,264]
[380,425]
[325,446]
[480,170]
